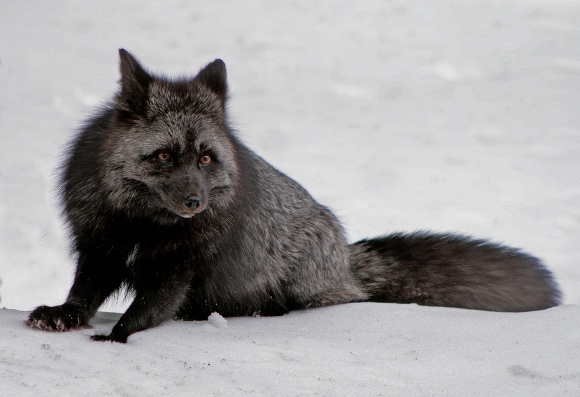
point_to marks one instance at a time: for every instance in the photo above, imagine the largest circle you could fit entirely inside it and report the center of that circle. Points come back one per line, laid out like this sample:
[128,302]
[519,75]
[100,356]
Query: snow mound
[217,320]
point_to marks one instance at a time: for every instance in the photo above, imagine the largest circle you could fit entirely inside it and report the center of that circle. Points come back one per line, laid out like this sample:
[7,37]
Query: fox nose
[193,202]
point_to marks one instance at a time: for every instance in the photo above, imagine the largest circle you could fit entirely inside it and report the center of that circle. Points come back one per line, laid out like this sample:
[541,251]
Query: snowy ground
[362,349]
[444,115]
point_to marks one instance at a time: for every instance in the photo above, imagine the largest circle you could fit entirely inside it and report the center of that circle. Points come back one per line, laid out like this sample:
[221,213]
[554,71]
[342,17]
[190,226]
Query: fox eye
[164,155]
[205,159]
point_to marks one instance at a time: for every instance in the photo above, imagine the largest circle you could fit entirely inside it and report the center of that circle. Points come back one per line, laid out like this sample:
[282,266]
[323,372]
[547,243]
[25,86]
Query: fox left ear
[134,83]
[214,77]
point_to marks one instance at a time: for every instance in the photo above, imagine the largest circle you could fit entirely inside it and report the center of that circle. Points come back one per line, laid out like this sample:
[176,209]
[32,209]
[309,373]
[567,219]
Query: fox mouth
[188,210]
[184,206]
[182,213]
[187,215]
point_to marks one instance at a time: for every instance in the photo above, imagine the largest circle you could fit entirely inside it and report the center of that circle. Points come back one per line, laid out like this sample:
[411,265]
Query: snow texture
[432,114]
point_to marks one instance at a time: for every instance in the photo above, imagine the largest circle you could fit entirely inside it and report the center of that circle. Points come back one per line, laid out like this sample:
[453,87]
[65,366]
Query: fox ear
[214,77]
[134,83]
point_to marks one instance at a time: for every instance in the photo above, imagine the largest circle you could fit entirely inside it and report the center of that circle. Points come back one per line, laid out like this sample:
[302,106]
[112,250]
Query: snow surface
[360,349]
[432,114]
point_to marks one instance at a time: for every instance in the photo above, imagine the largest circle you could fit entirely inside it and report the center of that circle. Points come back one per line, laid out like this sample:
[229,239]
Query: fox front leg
[143,313]
[98,276]
[158,295]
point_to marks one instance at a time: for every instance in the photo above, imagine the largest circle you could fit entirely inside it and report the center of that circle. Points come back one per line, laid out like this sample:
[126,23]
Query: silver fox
[163,199]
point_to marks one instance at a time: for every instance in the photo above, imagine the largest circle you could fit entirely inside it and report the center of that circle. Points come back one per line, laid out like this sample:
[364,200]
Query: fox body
[163,199]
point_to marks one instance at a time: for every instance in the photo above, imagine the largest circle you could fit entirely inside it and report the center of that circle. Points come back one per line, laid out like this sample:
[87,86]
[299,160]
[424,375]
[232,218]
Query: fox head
[171,151]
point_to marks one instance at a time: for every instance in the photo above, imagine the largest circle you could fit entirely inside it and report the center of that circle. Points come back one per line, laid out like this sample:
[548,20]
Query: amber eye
[164,155]
[205,159]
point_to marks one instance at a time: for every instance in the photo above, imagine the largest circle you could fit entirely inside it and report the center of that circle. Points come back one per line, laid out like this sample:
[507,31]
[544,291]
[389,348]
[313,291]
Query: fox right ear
[134,83]
[214,77]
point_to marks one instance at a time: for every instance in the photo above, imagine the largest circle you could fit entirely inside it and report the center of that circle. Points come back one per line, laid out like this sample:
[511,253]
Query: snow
[440,115]
[217,320]
[365,349]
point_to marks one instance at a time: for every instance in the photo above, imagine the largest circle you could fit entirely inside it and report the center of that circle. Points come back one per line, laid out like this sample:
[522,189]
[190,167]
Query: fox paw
[56,318]
[109,338]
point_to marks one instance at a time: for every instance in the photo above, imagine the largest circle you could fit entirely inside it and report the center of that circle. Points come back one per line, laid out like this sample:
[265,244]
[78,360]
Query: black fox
[164,200]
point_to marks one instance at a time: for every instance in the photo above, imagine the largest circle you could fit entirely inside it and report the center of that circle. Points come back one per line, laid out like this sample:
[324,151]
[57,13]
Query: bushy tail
[453,271]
